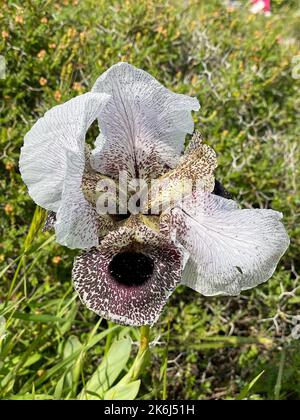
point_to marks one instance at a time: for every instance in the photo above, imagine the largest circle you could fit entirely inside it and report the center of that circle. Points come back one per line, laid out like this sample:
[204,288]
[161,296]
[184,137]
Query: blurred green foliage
[240,68]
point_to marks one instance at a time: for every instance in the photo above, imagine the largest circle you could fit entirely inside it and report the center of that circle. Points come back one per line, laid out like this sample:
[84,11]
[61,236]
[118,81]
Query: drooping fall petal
[230,249]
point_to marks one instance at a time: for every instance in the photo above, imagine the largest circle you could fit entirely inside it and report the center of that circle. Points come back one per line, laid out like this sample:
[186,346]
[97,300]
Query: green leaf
[2,328]
[68,314]
[64,363]
[37,318]
[59,389]
[72,346]
[31,397]
[123,392]
[32,359]
[109,369]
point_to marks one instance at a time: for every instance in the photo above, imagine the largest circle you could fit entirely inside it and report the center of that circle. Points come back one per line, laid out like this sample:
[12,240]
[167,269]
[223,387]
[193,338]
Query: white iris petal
[143,126]
[231,249]
[46,165]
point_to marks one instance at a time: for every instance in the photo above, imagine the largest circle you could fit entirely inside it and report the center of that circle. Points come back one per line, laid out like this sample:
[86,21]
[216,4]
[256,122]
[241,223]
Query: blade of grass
[278,384]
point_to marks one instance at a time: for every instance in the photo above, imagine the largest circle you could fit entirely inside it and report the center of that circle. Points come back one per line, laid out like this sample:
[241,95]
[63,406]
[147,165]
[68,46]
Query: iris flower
[130,263]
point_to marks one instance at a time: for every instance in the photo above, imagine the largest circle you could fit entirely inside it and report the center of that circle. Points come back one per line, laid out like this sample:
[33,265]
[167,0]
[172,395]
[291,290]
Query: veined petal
[43,160]
[231,249]
[77,223]
[129,277]
[143,126]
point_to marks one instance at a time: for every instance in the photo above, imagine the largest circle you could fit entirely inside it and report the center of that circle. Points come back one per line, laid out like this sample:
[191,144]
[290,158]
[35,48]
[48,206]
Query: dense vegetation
[240,67]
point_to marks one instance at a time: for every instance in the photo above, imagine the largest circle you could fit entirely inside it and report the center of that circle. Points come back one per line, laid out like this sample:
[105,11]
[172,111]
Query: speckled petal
[135,304]
[231,249]
[43,160]
[144,125]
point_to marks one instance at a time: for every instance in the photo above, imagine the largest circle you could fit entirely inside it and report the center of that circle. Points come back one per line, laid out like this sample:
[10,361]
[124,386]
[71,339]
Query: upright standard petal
[231,249]
[143,126]
[43,160]
[77,223]
[130,276]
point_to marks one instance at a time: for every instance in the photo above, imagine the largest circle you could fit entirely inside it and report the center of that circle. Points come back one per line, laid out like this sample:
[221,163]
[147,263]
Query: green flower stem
[142,358]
